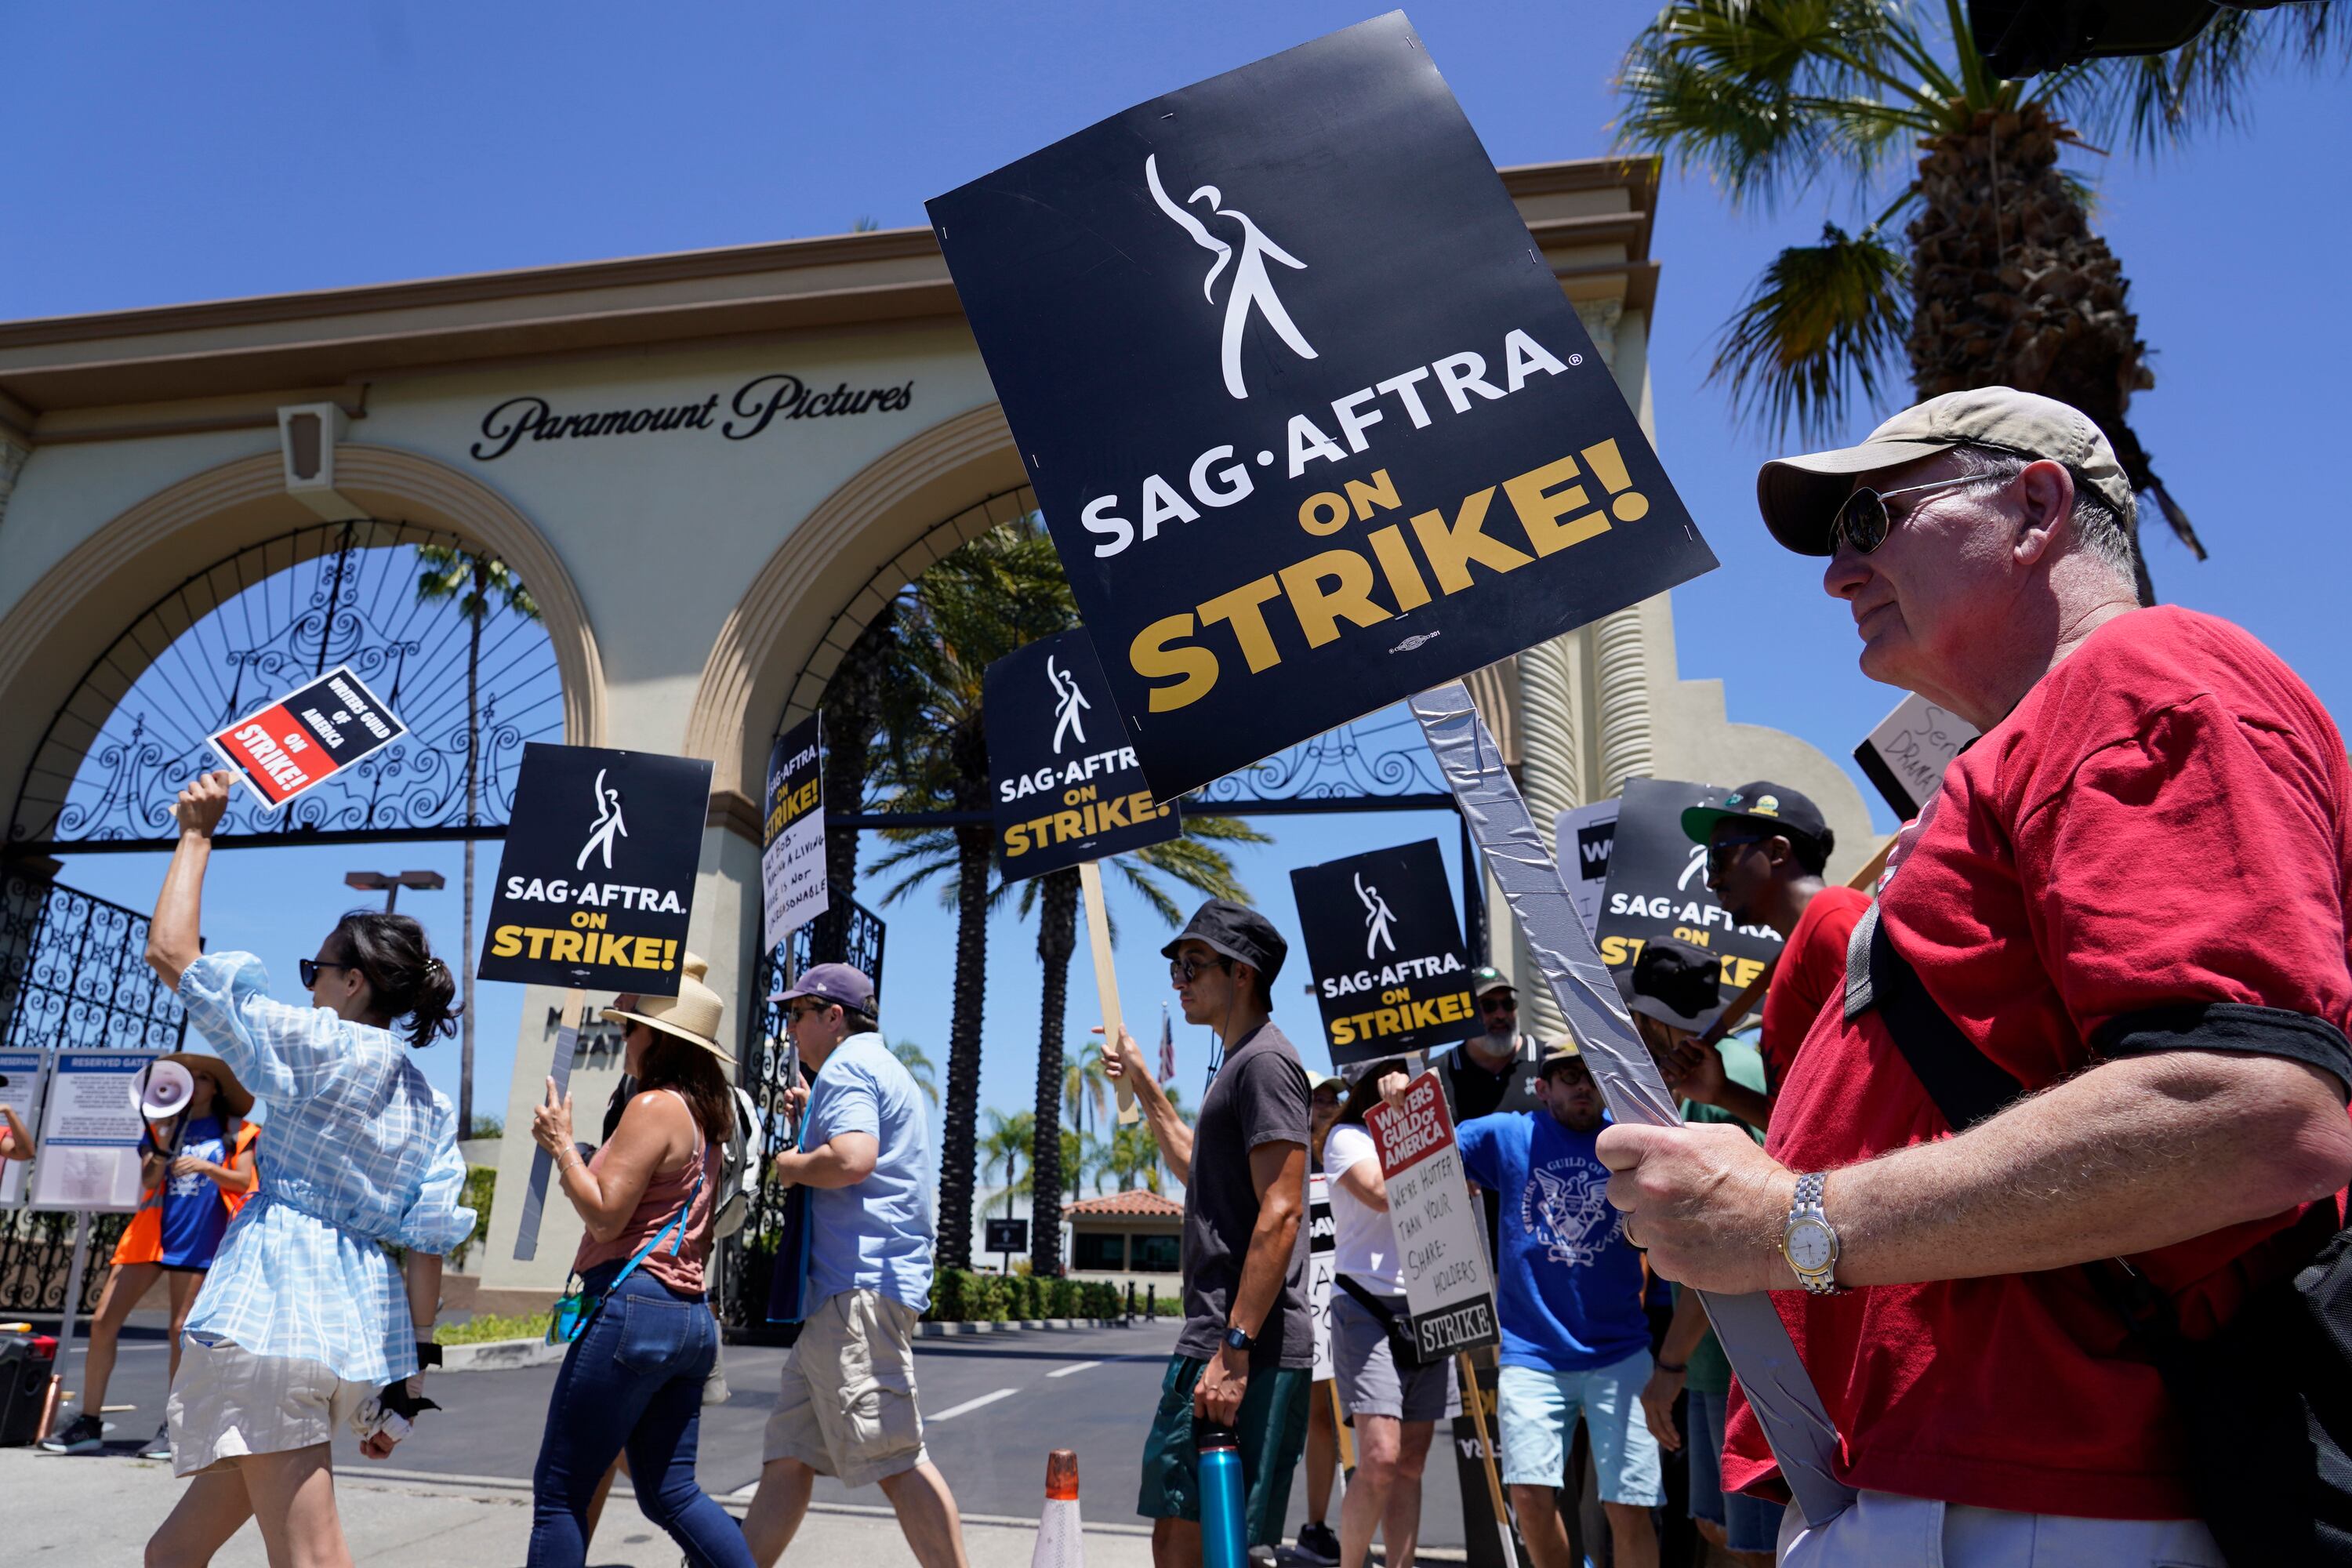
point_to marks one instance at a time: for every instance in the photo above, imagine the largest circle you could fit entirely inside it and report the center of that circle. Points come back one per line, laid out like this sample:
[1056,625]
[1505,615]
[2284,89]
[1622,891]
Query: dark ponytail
[407,981]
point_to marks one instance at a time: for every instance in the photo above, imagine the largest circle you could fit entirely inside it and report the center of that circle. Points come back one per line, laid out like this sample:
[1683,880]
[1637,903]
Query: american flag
[1167,1046]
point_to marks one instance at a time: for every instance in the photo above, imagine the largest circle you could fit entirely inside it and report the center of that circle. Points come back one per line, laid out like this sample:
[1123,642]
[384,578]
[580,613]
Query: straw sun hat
[693,1015]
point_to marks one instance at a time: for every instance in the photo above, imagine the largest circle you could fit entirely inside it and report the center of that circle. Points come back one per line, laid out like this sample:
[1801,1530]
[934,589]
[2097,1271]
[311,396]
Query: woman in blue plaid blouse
[304,1326]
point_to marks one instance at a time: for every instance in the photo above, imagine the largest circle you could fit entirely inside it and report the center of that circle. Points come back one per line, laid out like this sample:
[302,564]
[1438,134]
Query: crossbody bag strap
[1366,1299]
[1969,1087]
[676,1222]
[1966,1085]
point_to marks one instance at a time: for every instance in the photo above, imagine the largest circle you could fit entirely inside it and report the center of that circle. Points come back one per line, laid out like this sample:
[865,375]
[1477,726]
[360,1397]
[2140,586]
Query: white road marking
[1076,1366]
[971,1405]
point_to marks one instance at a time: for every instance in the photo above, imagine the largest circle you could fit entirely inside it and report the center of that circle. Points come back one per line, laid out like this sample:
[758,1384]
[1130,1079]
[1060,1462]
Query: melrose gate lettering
[755,405]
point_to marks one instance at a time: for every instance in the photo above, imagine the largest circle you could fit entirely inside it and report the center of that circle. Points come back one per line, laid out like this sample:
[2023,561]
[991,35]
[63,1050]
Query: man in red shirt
[1766,847]
[2129,895]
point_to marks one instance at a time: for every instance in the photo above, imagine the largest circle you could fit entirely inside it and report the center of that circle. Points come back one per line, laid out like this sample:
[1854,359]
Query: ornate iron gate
[73,977]
[749,1256]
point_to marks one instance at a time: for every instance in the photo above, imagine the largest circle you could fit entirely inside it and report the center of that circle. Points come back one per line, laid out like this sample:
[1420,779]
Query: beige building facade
[711,470]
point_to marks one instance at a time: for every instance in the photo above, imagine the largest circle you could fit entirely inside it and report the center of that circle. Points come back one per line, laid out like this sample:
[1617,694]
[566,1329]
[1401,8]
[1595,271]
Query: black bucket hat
[1239,932]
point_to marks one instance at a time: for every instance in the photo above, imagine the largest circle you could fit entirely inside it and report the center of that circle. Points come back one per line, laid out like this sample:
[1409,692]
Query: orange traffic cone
[1061,1541]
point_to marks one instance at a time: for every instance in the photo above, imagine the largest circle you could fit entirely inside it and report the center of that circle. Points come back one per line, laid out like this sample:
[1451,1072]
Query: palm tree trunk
[960,1144]
[1057,936]
[479,605]
[2011,287]
[852,718]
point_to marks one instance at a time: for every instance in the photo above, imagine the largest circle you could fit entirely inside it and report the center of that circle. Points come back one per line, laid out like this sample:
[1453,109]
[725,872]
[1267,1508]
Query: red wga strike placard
[308,736]
[1441,1235]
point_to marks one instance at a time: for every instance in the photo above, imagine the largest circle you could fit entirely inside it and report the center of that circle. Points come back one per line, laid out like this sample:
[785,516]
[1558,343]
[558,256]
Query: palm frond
[1823,326]
[1767,97]
[2154,103]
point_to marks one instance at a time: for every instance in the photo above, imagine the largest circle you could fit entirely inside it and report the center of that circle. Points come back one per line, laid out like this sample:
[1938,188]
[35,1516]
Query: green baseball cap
[1800,496]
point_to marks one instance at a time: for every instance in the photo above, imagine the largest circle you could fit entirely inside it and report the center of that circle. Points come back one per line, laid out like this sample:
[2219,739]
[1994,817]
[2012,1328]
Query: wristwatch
[1237,1341]
[1808,1240]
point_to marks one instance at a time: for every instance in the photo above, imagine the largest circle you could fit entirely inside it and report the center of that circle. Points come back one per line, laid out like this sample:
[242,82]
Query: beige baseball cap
[1800,497]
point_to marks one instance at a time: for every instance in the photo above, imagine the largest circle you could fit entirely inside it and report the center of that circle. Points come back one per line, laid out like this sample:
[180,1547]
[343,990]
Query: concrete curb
[929,1330]
[500,1355]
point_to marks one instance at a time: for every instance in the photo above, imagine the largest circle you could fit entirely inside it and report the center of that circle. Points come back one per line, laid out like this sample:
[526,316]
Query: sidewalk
[102,1510]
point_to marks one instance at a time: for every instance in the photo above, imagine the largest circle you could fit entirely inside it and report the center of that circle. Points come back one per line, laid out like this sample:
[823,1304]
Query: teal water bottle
[1225,1542]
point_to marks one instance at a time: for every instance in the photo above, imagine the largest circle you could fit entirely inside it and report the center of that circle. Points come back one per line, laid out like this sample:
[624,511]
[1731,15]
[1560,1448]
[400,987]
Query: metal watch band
[1806,1203]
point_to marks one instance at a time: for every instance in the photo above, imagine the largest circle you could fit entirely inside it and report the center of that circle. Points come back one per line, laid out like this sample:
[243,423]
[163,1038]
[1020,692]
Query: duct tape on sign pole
[1803,1438]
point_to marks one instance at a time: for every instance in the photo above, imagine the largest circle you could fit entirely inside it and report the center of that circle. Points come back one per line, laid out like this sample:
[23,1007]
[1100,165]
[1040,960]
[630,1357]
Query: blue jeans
[1749,1524]
[634,1380]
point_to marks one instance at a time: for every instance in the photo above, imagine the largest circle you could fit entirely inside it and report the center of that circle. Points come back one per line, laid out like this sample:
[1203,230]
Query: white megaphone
[162,1089]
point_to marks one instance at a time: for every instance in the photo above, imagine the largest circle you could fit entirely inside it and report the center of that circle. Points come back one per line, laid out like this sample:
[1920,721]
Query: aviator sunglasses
[1862,520]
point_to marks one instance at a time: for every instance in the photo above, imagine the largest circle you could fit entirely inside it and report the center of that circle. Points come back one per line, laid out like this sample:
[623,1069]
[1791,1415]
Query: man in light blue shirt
[848,1406]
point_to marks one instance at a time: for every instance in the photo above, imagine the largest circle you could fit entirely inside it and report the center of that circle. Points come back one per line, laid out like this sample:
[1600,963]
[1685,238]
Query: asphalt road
[995,1405]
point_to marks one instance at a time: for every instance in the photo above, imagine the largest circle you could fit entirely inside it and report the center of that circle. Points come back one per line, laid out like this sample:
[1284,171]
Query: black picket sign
[1311,422]
[1061,772]
[1657,886]
[1385,953]
[597,880]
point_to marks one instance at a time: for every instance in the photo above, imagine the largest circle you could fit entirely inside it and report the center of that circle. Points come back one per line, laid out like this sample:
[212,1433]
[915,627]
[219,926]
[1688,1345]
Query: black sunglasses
[1182,970]
[1864,521]
[310,967]
[1718,851]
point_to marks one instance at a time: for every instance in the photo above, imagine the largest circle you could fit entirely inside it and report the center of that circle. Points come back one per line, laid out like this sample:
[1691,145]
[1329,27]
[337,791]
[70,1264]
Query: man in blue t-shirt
[848,1406]
[1569,1295]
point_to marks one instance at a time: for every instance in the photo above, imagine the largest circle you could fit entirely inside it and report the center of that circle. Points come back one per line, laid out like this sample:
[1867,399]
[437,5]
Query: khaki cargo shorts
[846,1408]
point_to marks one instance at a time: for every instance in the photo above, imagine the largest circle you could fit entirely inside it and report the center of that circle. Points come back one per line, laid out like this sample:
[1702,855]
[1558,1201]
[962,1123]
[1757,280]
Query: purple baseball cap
[835,982]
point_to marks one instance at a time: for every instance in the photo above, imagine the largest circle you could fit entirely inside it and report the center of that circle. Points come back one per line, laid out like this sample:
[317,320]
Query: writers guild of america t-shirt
[1568,1284]
[1258,1097]
[194,1216]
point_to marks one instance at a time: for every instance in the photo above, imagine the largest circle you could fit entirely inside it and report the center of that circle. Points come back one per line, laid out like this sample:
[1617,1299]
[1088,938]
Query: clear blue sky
[170,155]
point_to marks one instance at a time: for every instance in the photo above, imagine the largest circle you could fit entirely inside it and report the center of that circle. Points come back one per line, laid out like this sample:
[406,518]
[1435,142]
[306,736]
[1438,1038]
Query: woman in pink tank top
[633,1378]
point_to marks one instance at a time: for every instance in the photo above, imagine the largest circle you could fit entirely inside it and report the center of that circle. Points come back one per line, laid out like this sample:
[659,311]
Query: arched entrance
[261,601]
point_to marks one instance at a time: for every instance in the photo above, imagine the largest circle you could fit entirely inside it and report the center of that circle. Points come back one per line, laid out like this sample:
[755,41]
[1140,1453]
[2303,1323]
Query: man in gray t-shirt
[1247,1349]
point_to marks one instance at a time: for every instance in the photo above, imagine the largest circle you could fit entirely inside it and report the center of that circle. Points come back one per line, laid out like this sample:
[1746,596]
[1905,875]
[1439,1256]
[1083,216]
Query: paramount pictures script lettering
[756,405]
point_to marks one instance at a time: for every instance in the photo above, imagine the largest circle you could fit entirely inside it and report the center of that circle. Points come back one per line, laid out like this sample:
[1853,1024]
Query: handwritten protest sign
[1440,1235]
[1907,754]
[308,736]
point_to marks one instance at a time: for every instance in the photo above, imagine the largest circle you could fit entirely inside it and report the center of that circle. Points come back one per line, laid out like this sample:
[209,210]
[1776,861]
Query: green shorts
[1272,1426]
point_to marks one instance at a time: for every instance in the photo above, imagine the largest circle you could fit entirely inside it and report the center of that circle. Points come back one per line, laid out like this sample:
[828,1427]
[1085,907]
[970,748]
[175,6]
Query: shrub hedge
[959,1296]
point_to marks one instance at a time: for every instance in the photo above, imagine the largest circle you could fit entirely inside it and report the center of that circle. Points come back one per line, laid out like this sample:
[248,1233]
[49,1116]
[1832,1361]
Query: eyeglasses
[1719,851]
[310,967]
[1499,1002]
[1862,520]
[1182,970]
[804,1008]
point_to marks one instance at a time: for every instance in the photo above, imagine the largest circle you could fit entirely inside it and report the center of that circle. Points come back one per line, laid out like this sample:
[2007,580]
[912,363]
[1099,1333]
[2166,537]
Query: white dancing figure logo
[608,822]
[1069,704]
[1252,288]
[1377,916]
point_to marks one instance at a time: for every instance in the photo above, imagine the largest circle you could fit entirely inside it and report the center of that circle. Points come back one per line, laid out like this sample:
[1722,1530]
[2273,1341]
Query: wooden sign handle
[1471,1397]
[1106,977]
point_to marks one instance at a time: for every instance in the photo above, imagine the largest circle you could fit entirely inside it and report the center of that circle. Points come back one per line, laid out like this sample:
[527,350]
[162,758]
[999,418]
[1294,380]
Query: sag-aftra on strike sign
[1306,410]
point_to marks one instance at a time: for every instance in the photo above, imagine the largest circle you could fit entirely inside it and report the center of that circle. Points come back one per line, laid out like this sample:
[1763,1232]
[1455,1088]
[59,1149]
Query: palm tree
[920,1068]
[1191,860]
[448,572]
[1008,1138]
[968,610]
[1999,278]
[1132,1158]
[865,699]
[1083,1084]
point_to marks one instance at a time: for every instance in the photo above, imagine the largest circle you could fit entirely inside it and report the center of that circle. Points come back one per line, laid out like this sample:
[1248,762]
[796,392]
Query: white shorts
[229,1403]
